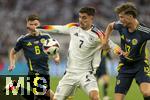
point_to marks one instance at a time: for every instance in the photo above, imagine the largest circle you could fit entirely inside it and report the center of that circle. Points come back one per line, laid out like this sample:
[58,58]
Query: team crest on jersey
[29,44]
[134,41]
[42,40]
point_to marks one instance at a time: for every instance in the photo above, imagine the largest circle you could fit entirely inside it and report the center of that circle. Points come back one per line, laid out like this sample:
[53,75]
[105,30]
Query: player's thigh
[145,88]
[105,78]
[66,87]
[123,83]
[143,78]
[119,96]
[143,74]
[64,91]
[89,83]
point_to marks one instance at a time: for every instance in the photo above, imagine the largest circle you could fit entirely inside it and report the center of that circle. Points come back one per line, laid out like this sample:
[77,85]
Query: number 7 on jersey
[81,43]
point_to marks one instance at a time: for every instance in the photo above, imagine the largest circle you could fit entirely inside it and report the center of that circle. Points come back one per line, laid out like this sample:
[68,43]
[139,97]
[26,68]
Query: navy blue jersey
[37,60]
[134,43]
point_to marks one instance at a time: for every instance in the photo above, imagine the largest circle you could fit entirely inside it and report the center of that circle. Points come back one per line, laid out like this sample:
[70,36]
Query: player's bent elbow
[110,25]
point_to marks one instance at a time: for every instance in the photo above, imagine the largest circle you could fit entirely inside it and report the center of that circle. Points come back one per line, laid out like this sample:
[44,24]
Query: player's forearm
[12,57]
[109,30]
[52,28]
[57,28]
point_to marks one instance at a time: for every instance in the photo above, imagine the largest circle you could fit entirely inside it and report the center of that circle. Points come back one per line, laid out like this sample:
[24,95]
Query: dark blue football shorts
[140,71]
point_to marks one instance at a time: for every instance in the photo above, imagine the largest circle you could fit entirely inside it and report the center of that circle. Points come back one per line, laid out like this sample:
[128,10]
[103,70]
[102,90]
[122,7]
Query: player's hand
[57,60]
[118,51]
[106,47]
[104,41]
[11,67]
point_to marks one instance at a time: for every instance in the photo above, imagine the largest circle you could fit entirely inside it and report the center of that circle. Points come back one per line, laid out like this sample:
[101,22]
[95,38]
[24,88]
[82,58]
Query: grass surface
[133,94]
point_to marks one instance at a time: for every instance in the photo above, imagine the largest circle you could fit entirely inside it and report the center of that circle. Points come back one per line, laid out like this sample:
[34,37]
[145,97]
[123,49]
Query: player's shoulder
[72,25]
[22,37]
[143,28]
[96,31]
[45,34]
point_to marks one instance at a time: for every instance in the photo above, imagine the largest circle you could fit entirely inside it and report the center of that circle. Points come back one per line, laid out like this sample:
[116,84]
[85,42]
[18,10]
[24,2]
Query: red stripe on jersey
[47,27]
[100,34]
[72,24]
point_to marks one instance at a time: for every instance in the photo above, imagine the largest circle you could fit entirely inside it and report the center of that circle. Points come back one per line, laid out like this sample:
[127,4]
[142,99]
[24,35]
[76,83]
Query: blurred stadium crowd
[14,12]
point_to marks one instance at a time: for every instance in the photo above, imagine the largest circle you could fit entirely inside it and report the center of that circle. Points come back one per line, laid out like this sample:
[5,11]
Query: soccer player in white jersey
[83,55]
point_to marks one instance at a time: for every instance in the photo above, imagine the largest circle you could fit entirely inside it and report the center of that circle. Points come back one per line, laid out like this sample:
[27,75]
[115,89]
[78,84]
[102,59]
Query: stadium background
[12,25]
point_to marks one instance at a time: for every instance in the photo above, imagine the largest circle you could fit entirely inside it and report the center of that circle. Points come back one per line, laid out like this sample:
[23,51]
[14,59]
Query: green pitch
[133,94]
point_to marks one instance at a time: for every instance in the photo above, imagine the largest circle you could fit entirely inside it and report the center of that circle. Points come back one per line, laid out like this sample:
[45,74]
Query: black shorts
[102,68]
[127,72]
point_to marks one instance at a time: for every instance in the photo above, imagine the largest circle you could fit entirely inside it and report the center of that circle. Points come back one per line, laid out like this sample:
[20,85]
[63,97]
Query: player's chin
[82,26]
[31,30]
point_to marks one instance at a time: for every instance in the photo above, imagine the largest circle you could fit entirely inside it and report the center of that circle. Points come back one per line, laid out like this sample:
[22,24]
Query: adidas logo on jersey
[29,44]
[76,34]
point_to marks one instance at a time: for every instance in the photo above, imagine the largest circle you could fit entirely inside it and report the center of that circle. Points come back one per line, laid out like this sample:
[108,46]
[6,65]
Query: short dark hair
[88,10]
[33,17]
[128,8]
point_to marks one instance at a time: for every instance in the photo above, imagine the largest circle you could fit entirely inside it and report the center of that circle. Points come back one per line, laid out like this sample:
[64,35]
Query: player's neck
[133,26]
[34,33]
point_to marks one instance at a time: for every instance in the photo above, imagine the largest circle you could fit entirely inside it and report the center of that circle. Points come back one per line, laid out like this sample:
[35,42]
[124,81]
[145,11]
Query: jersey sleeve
[117,25]
[18,45]
[145,32]
[65,29]
[146,36]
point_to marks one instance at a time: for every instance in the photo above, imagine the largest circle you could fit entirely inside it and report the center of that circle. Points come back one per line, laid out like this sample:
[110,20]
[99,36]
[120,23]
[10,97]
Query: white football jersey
[84,49]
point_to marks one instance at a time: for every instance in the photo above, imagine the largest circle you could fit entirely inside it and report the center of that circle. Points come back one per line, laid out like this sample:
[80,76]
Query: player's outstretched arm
[108,31]
[12,58]
[57,28]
